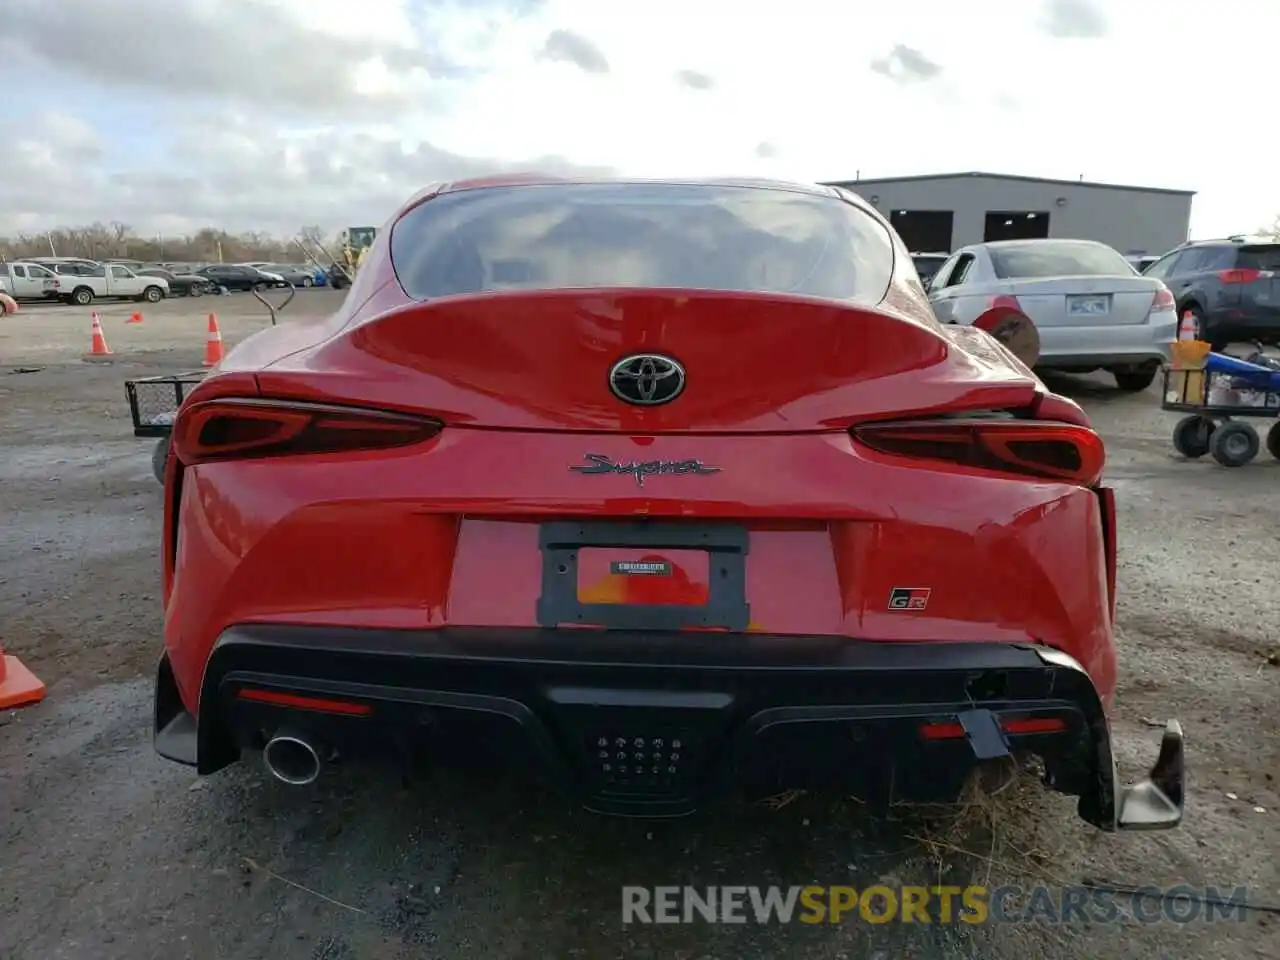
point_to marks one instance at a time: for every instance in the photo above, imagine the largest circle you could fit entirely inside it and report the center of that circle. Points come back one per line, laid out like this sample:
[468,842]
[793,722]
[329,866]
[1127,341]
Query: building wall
[1132,221]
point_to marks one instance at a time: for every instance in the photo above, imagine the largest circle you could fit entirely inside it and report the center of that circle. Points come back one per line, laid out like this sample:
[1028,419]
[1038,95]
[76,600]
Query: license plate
[639,576]
[644,576]
[1082,306]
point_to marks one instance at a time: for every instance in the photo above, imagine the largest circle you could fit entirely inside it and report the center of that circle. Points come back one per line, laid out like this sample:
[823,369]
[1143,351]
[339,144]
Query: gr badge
[909,598]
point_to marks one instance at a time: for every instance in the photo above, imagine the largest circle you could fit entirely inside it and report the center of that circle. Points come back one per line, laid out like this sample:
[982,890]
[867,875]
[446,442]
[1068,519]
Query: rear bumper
[649,725]
[1107,346]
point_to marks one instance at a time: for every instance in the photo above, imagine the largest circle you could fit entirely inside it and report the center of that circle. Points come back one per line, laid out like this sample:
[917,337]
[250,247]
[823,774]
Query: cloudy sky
[269,114]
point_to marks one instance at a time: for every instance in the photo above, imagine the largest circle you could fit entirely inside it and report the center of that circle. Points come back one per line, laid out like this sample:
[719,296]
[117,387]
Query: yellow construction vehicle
[340,269]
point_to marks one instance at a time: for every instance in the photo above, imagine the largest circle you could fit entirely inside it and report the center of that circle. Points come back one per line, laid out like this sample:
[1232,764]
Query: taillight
[1016,726]
[1163,301]
[1005,300]
[241,429]
[1050,451]
[1244,275]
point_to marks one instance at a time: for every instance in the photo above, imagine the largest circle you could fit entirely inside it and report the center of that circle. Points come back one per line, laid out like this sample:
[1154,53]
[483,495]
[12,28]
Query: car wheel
[1273,440]
[153,294]
[1135,379]
[260,287]
[307,282]
[195,291]
[160,458]
[1192,435]
[82,296]
[1234,444]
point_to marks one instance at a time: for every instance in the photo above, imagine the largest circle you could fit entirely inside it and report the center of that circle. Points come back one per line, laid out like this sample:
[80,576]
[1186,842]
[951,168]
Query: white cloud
[294,111]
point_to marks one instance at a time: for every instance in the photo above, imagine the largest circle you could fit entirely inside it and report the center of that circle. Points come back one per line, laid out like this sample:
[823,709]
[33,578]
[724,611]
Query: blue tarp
[1253,374]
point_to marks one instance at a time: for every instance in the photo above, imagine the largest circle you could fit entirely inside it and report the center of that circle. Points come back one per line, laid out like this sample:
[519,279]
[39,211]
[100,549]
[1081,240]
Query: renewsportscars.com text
[931,905]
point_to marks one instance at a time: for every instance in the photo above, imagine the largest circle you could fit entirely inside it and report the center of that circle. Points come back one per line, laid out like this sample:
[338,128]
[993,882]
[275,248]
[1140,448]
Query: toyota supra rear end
[657,491]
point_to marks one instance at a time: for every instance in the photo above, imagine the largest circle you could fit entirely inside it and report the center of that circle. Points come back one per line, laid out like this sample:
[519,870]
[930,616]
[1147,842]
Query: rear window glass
[927,267]
[687,236]
[1058,260]
[1259,258]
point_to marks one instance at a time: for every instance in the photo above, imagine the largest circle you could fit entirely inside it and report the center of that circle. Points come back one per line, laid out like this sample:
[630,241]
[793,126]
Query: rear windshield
[926,267]
[1058,260]
[689,236]
[1260,257]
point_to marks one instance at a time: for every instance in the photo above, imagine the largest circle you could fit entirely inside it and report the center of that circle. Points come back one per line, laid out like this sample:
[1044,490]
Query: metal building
[940,213]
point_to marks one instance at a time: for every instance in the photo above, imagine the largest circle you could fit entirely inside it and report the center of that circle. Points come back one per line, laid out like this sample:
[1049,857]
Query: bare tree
[99,241]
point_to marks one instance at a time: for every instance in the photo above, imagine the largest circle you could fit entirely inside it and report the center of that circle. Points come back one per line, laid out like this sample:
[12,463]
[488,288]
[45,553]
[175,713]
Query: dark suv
[1231,287]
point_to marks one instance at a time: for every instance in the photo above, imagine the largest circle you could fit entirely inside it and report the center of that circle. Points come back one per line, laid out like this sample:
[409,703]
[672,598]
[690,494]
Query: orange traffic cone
[1188,327]
[18,685]
[213,345]
[99,347]
[136,318]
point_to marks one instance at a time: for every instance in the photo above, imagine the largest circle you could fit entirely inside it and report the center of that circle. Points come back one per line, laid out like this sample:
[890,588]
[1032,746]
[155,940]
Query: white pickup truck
[82,281]
[28,281]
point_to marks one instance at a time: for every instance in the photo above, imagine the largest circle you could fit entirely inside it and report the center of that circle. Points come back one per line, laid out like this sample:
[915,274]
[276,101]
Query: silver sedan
[1092,309]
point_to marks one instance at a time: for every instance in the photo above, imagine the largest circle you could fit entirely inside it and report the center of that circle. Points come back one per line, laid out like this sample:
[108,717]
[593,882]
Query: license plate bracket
[725,544]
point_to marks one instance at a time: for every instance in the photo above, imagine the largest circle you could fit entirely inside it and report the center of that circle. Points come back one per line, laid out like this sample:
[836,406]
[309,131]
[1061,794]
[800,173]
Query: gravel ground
[109,852]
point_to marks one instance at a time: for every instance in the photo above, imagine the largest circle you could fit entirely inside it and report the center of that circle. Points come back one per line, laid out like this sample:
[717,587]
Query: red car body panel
[444,533]
[445,536]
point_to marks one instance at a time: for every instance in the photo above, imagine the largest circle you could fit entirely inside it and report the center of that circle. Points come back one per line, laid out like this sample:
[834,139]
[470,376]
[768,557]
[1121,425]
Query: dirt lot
[109,852]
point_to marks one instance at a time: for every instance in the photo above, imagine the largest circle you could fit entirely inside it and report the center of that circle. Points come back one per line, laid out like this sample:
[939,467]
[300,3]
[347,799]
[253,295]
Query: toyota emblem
[646,379]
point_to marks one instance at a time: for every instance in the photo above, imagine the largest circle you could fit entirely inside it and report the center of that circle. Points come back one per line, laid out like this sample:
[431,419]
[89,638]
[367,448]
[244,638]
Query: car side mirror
[1014,329]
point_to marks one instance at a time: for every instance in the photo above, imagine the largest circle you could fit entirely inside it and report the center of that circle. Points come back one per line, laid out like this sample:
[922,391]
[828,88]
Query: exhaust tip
[291,759]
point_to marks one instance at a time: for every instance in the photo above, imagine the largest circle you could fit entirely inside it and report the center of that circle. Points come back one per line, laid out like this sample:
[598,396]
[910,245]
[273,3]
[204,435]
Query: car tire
[160,458]
[1234,444]
[153,294]
[307,282]
[195,290]
[81,296]
[1136,379]
[1193,436]
[1273,440]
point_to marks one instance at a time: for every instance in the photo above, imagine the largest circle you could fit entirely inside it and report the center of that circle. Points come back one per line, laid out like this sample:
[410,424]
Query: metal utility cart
[1214,391]
[153,404]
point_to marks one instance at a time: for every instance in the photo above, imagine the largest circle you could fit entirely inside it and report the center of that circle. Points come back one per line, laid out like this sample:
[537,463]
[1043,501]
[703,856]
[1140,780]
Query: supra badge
[909,598]
[599,463]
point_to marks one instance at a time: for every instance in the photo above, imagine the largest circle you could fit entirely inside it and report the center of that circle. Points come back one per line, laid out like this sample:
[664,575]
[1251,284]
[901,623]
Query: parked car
[82,281]
[24,280]
[53,261]
[1090,308]
[1231,288]
[235,276]
[181,284]
[808,575]
[1141,263]
[927,265]
[293,275]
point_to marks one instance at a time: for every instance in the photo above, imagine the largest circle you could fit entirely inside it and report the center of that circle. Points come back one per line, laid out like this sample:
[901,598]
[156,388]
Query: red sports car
[657,490]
